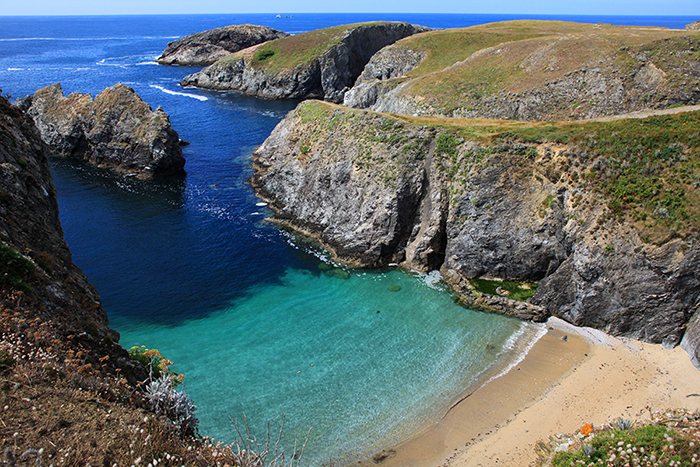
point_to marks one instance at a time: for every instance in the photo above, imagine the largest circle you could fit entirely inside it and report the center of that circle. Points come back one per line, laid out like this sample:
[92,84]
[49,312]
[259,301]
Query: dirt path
[646,113]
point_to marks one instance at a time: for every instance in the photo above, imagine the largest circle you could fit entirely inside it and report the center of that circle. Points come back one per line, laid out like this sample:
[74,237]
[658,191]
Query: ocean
[250,313]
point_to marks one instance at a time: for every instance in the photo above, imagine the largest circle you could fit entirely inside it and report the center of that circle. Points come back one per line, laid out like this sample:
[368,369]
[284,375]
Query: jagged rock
[327,74]
[693,26]
[391,62]
[377,190]
[204,48]
[116,130]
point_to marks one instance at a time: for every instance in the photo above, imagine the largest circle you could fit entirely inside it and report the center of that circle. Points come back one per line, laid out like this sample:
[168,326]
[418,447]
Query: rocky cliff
[116,130]
[602,214]
[317,64]
[204,48]
[533,70]
[37,271]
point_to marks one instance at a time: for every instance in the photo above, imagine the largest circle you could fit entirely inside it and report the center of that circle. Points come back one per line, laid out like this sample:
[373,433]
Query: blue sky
[580,7]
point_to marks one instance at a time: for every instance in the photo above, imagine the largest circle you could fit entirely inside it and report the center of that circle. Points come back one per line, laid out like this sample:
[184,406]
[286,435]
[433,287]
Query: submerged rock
[117,130]
[317,64]
[204,48]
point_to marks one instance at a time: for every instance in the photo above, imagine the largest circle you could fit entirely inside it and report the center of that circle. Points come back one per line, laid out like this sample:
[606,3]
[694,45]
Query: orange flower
[587,429]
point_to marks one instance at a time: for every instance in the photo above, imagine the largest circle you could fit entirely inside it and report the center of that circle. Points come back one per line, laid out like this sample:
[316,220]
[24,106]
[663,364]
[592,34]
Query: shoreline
[570,376]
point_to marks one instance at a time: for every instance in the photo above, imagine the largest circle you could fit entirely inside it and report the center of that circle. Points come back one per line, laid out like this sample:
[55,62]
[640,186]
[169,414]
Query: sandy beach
[570,377]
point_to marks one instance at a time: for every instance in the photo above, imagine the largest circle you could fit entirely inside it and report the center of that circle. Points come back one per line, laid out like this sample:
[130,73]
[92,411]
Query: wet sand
[570,377]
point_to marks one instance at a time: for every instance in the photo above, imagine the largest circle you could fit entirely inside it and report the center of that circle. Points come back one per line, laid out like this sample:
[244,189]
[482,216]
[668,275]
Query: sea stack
[117,130]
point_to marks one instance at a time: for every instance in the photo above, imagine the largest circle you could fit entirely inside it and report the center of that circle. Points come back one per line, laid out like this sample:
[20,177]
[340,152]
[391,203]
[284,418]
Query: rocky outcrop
[693,26]
[204,48]
[116,130]
[392,61]
[337,57]
[377,190]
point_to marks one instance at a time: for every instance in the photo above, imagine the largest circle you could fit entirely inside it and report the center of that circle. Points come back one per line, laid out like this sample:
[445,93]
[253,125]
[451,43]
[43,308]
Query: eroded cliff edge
[602,214]
[117,130]
[318,64]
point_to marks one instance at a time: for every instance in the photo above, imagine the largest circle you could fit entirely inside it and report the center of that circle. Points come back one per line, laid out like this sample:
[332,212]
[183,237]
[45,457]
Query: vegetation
[514,290]
[157,365]
[651,444]
[15,270]
[295,50]
[462,67]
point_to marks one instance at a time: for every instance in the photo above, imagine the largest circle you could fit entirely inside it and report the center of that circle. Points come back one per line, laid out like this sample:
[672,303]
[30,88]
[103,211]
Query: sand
[570,377]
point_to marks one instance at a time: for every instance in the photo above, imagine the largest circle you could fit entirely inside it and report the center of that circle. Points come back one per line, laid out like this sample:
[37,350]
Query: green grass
[295,50]
[518,56]
[520,291]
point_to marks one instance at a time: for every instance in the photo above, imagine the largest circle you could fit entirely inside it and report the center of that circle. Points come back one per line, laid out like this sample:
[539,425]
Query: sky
[556,7]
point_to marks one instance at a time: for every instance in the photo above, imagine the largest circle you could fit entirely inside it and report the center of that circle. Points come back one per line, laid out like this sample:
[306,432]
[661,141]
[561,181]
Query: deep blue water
[188,265]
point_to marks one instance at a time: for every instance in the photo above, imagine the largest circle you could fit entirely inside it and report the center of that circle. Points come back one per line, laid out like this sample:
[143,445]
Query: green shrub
[155,362]
[15,270]
[446,143]
[264,54]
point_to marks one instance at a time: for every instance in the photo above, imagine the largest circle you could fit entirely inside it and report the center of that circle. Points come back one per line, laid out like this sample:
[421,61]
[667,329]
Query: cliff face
[378,190]
[29,225]
[116,130]
[318,64]
[204,48]
[526,70]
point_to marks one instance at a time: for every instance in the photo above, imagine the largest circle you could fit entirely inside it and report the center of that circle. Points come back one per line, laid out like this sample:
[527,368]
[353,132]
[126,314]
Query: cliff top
[204,48]
[463,68]
[295,50]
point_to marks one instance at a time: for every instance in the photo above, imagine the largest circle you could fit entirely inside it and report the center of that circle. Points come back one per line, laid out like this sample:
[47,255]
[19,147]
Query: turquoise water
[359,365]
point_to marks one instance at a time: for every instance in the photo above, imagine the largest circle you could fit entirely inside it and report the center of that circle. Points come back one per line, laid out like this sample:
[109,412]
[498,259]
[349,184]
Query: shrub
[177,406]
[155,362]
[15,269]
[264,54]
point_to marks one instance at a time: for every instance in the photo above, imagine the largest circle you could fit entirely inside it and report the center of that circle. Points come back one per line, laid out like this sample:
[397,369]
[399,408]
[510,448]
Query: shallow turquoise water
[361,366]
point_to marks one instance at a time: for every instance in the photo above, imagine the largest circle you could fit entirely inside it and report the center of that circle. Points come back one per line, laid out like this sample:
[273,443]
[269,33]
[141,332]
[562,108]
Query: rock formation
[693,26]
[116,130]
[204,48]
[377,190]
[318,64]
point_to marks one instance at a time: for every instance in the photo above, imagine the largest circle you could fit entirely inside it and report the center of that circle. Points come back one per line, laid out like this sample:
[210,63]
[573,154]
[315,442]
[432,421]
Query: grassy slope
[646,170]
[464,65]
[292,51]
